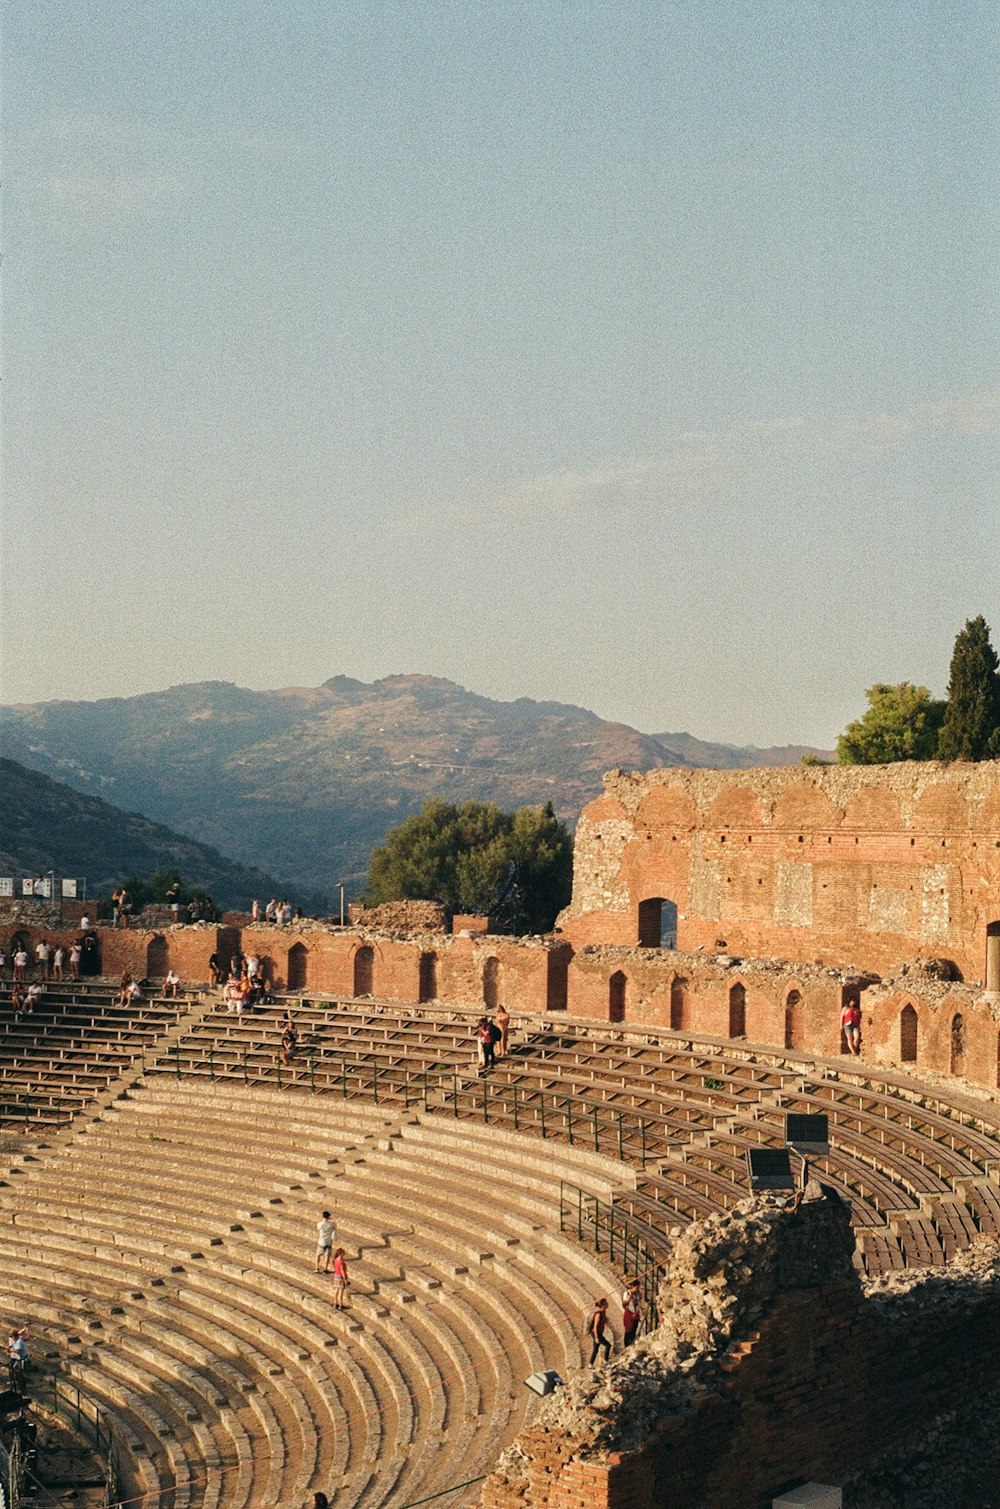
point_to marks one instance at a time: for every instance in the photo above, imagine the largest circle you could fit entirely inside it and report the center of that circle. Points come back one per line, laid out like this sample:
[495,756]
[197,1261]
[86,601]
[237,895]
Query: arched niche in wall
[908,1034]
[679,1004]
[657,923]
[156,957]
[957,1056]
[617,992]
[795,1024]
[737,1010]
[491,983]
[427,986]
[297,973]
[364,971]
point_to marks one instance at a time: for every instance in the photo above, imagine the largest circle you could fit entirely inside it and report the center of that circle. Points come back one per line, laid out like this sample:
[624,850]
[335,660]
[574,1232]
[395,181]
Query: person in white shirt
[326,1235]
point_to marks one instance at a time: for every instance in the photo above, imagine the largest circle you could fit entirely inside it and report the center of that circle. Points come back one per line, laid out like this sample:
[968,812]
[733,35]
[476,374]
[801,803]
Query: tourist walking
[598,1323]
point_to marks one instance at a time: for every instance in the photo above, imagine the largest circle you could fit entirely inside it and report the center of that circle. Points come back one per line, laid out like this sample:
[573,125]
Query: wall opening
[908,1035]
[957,1044]
[679,1004]
[795,1024]
[297,973]
[993,958]
[850,995]
[657,923]
[738,1011]
[557,981]
[428,985]
[491,983]
[364,971]
[617,989]
[156,957]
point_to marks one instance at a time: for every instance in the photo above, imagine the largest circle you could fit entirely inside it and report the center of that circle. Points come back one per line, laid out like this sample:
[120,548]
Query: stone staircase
[163,1252]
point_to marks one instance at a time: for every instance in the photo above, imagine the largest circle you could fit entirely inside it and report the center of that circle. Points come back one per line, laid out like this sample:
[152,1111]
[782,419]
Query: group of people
[631,1316]
[279,912]
[243,980]
[331,1259]
[51,960]
[491,1038]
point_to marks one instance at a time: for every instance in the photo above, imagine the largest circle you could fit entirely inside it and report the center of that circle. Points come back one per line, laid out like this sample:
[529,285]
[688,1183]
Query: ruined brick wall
[762,1376]
[862,866]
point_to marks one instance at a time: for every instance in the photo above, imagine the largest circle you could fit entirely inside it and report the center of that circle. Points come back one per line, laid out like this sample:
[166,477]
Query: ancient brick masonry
[862,865]
[772,1367]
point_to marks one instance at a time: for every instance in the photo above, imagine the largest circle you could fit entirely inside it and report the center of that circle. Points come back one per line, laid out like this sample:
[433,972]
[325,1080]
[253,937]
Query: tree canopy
[902,723]
[515,867]
[971,728]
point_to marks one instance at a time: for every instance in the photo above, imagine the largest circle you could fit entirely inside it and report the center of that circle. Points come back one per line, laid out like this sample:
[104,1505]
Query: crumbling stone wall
[772,1366]
[849,866]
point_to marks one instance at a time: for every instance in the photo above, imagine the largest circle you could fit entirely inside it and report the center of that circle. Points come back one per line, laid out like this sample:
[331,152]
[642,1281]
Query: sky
[638,356]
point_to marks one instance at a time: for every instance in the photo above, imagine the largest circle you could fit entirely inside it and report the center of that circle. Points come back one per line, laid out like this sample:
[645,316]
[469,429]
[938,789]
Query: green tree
[902,723]
[515,867]
[971,729]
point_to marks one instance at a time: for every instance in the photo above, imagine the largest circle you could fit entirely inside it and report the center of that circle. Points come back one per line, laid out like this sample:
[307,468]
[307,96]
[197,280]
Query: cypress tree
[971,728]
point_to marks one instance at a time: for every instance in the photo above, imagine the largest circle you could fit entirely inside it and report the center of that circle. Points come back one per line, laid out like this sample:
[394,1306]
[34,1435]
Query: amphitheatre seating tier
[172,1237]
[163,1243]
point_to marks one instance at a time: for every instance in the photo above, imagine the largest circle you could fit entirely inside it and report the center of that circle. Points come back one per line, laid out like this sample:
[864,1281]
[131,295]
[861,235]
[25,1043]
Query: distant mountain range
[304,781]
[45,825]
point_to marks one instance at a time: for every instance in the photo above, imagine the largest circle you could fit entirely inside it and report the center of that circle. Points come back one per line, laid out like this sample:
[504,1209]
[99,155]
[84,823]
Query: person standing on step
[631,1311]
[340,1279]
[502,1019]
[326,1235]
[598,1322]
[75,950]
[58,959]
[20,963]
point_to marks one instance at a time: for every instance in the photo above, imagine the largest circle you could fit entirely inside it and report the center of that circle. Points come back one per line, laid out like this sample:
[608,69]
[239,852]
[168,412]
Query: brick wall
[859,866]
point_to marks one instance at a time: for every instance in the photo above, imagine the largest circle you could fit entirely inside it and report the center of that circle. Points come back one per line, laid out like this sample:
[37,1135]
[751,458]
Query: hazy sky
[636,355]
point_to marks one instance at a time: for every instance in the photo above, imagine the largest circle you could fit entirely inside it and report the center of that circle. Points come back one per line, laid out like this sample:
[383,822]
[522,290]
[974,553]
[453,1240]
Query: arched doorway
[794,1020]
[679,1004]
[908,1035]
[738,1011]
[657,923]
[298,967]
[957,1044]
[364,971]
[428,977]
[557,980]
[156,957]
[491,983]
[617,988]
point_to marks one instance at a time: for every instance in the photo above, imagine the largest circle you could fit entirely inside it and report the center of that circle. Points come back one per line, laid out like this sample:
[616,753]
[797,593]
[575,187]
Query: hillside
[44,825]
[710,756]
[303,781]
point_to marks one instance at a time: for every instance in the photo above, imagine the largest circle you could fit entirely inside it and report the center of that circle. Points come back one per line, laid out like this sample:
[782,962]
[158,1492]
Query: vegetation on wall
[515,867]
[905,722]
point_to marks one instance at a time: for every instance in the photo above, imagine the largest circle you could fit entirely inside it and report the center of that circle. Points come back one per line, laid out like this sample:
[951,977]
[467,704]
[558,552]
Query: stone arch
[738,1010]
[297,972]
[617,993]
[908,1034]
[364,971]
[491,983]
[157,956]
[557,980]
[20,940]
[657,923]
[795,1023]
[427,982]
[957,1060]
[993,958]
[679,1004]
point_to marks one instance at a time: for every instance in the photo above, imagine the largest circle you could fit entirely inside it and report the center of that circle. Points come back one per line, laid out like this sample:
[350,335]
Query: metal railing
[66,1399]
[612,1233]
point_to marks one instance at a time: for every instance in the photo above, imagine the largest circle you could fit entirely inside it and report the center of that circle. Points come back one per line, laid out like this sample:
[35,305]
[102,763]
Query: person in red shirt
[850,1021]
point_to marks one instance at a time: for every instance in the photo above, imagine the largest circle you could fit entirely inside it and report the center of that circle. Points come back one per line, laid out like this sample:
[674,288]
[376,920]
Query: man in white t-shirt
[42,958]
[326,1235]
[20,962]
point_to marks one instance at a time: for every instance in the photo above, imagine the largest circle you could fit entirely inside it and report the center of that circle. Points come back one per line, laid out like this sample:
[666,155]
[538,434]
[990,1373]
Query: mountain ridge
[303,781]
